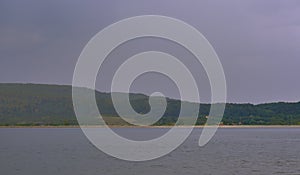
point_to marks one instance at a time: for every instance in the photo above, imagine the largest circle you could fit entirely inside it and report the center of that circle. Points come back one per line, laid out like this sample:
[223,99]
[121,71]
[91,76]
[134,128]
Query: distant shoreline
[124,126]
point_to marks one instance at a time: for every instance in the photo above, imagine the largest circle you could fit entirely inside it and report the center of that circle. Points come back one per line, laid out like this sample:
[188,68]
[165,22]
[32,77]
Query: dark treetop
[35,104]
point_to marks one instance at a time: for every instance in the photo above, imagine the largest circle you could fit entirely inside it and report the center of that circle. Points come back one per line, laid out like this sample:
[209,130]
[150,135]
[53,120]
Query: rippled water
[232,151]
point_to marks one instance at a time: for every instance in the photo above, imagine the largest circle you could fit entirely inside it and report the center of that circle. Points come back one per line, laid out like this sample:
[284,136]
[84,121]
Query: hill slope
[35,104]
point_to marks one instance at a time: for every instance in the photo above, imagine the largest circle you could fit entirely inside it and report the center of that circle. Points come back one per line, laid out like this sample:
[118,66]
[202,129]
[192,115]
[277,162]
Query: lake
[66,151]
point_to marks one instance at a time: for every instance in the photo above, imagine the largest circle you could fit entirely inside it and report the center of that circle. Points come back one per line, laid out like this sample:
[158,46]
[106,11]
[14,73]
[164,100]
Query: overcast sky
[258,43]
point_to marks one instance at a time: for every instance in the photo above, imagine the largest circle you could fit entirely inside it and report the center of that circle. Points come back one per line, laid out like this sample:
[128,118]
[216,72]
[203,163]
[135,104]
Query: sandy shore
[197,126]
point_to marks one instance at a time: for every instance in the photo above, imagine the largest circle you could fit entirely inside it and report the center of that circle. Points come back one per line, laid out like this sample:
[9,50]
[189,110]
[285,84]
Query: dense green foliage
[32,104]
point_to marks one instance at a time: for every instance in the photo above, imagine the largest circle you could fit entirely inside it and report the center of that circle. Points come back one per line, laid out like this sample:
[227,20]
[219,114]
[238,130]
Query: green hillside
[34,104]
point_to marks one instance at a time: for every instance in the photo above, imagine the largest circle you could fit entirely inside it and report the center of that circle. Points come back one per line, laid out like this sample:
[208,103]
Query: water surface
[61,151]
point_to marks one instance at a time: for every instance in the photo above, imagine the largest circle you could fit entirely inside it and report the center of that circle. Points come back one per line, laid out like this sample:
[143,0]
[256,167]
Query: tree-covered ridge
[33,104]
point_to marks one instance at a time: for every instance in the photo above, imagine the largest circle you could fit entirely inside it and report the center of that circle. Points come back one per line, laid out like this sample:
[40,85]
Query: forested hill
[35,104]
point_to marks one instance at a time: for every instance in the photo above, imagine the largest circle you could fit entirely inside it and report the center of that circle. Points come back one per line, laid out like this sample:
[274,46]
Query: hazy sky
[258,43]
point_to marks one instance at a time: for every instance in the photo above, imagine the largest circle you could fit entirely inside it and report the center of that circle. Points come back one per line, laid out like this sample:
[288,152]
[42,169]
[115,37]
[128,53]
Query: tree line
[35,104]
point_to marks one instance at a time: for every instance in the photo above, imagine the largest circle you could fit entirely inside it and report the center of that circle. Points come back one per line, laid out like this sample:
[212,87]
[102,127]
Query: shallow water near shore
[33,151]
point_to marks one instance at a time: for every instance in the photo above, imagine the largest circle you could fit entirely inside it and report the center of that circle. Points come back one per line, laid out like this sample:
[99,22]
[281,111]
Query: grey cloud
[257,41]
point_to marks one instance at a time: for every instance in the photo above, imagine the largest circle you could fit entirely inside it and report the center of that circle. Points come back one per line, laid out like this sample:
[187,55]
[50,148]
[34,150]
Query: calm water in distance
[66,151]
